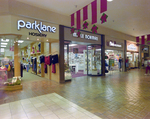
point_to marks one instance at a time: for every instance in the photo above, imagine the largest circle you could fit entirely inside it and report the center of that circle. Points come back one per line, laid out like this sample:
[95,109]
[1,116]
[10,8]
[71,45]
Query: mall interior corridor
[117,96]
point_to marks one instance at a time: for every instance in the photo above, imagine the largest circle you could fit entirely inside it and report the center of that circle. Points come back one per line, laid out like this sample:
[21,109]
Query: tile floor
[115,96]
[49,106]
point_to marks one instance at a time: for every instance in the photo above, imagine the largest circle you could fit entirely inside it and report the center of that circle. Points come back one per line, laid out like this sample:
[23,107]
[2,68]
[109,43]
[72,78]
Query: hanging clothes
[54,59]
[21,72]
[42,59]
[53,68]
[39,45]
[45,68]
[48,60]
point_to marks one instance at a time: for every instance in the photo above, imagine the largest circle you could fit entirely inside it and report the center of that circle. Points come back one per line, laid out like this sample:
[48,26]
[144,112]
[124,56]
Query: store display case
[94,60]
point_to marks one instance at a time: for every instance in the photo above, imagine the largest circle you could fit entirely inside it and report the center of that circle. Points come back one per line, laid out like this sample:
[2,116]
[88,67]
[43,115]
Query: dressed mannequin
[5,61]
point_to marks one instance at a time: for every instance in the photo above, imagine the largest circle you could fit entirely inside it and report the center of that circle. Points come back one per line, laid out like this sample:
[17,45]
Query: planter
[11,88]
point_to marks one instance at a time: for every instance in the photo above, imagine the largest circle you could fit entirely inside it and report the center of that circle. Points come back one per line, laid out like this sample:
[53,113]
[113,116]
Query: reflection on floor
[50,106]
[124,95]
[80,73]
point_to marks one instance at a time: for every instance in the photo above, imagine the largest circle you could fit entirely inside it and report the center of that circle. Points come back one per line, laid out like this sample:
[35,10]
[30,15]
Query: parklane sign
[36,26]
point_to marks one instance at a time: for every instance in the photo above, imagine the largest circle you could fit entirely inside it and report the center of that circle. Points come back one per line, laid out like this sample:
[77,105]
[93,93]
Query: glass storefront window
[78,58]
[94,60]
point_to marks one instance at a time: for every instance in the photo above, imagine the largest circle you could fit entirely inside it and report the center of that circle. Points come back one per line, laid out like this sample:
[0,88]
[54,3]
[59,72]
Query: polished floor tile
[119,95]
[26,109]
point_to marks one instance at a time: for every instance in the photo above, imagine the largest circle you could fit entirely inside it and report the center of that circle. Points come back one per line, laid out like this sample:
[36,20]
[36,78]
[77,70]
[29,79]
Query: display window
[81,60]
[133,55]
[133,59]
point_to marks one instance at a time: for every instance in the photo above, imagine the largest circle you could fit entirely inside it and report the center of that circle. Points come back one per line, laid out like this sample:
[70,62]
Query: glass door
[94,60]
[67,70]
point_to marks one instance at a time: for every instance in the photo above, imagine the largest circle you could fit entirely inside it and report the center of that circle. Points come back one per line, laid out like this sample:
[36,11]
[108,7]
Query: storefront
[144,49]
[114,50]
[23,44]
[82,54]
[133,54]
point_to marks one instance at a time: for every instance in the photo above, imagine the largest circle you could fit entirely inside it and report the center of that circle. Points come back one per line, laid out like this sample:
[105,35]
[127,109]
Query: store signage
[132,47]
[36,26]
[113,44]
[37,34]
[85,36]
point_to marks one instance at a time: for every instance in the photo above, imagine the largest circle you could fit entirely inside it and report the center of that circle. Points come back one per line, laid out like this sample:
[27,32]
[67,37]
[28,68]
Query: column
[16,60]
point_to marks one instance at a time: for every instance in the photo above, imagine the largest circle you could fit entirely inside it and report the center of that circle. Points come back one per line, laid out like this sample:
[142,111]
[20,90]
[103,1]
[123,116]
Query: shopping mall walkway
[117,96]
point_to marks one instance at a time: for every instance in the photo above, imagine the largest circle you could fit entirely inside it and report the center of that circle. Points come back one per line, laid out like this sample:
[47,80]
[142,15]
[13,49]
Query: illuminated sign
[36,26]
[113,44]
[85,36]
[132,47]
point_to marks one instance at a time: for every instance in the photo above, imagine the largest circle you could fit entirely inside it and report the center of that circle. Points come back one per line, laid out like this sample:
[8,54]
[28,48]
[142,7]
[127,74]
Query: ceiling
[127,16]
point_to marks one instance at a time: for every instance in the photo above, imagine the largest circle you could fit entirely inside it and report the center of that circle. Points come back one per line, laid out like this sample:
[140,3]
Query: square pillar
[16,60]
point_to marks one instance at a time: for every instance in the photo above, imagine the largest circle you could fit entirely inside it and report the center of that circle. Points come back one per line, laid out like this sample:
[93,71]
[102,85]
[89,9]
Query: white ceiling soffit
[127,16]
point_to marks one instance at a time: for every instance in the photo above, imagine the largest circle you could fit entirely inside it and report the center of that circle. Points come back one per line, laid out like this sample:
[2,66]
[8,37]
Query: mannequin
[5,61]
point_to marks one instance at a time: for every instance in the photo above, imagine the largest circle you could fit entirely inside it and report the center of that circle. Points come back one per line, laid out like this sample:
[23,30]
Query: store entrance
[81,59]
[113,61]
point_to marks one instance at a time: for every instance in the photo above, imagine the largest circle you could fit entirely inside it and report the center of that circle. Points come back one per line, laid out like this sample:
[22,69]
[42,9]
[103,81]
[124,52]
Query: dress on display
[3,74]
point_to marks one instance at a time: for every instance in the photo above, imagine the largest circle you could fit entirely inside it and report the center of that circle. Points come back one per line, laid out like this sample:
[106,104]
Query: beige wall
[21,9]
[4,6]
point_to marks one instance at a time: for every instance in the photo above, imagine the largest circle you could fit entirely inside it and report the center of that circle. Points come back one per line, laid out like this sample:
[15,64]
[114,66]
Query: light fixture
[3,43]
[72,45]
[37,39]
[109,0]
[27,37]
[20,41]
[2,50]
[5,40]
[47,39]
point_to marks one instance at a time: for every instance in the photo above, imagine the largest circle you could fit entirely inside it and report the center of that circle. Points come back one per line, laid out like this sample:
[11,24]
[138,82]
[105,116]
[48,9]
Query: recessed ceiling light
[4,43]
[47,40]
[37,39]
[7,40]
[109,0]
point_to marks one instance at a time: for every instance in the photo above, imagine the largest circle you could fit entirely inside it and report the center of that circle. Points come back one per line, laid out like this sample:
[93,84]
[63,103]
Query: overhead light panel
[5,40]
[20,41]
[109,0]
[72,44]
[3,43]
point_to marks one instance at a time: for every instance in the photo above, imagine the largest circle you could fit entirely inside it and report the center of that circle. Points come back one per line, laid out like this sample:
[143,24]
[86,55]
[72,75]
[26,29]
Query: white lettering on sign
[132,47]
[114,45]
[35,26]
[89,37]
